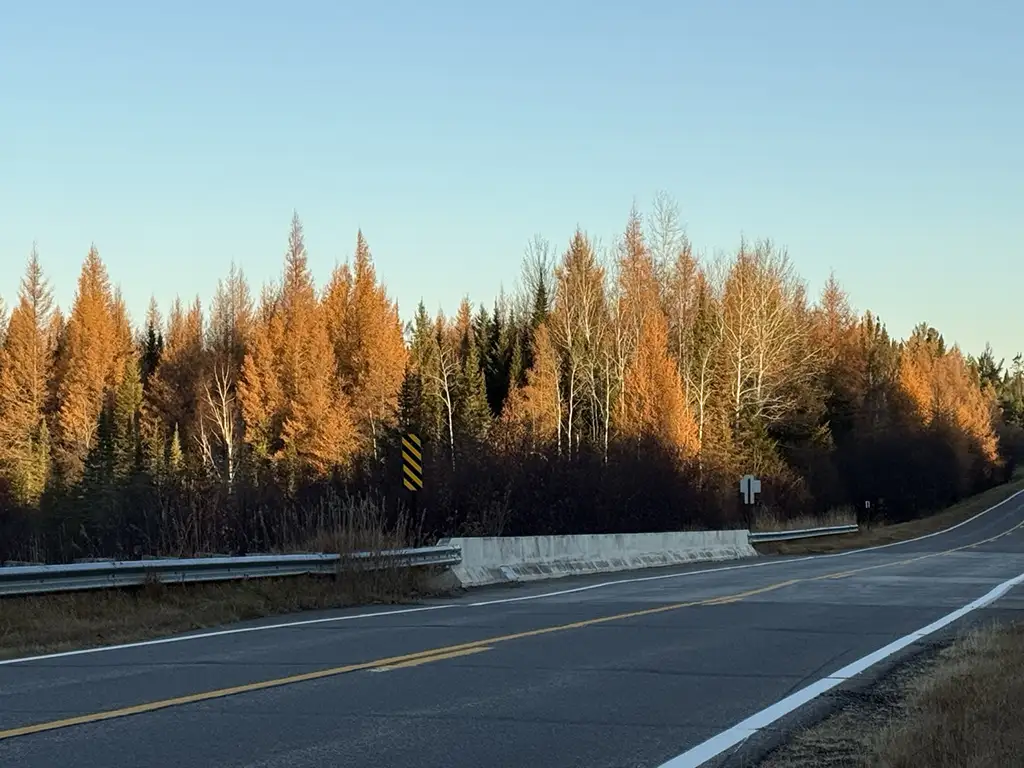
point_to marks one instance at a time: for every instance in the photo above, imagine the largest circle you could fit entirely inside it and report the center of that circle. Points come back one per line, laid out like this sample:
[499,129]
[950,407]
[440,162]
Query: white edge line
[372,614]
[479,604]
[1011,497]
[717,745]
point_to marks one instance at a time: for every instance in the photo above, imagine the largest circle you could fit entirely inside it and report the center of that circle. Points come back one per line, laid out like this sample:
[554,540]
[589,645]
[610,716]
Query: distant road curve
[672,668]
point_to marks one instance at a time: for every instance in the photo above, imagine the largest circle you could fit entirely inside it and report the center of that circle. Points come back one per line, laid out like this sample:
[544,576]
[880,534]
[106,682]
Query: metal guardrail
[756,537]
[40,579]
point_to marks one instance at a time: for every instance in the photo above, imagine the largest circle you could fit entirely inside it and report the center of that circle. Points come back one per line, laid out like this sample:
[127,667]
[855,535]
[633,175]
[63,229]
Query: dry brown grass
[44,623]
[885,534]
[769,520]
[358,525]
[967,711]
[958,709]
[38,624]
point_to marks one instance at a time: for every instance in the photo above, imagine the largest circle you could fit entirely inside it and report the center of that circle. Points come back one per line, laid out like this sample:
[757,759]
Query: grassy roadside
[957,708]
[44,623]
[882,534]
[768,521]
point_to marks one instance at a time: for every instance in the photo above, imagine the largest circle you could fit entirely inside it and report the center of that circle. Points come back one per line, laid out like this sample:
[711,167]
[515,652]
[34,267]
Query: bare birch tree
[682,280]
[577,325]
[765,334]
[232,316]
[536,292]
[443,374]
[667,234]
[703,354]
[220,410]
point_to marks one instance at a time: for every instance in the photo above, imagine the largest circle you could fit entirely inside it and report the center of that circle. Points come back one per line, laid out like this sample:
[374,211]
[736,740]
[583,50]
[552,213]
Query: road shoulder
[881,534]
[947,700]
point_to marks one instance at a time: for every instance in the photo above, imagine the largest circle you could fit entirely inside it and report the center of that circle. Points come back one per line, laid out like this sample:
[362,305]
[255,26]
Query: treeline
[615,391]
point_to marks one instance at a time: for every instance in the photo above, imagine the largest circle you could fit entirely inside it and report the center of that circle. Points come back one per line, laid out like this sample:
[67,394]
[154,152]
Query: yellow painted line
[196,698]
[324,673]
[415,438]
[840,575]
[408,484]
[844,574]
[429,659]
[736,598]
[452,651]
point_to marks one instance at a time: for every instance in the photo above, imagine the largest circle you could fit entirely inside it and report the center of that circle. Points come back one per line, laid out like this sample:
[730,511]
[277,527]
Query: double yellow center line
[453,651]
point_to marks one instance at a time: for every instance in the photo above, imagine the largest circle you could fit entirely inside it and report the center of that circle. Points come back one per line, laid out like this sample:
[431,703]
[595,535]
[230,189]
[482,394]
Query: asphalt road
[625,670]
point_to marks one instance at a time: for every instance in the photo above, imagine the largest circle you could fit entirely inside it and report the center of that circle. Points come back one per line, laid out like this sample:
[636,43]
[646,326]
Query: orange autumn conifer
[653,393]
[25,366]
[292,407]
[939,384]
[259,388]
[91,363]
[374,346]
[214,433]
[651,400]
[535,410]
[336,304]
[174,394]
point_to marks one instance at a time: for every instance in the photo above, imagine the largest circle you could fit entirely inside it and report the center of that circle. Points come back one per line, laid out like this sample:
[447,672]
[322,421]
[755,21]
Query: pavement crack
[814,673]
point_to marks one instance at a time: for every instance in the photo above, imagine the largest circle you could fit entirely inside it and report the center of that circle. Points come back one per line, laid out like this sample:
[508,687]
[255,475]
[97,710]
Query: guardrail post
[755,537]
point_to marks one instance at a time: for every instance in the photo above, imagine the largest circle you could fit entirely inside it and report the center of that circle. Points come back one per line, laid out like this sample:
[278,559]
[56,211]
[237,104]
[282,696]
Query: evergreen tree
[175,458]
[541,307]
[989,373]
[481,334]
[411,417]
[425,365]
[152,343]
[1012,392]
[99,469]
[473,410]
[127,411]
[517,341]
[497,359]
[623,374]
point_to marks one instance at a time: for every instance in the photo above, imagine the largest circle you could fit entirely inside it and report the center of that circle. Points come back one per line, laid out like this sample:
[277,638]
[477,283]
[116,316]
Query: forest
[616,389]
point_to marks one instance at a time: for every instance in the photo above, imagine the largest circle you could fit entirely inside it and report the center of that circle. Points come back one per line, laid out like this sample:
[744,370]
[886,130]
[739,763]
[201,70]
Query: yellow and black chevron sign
[412,462]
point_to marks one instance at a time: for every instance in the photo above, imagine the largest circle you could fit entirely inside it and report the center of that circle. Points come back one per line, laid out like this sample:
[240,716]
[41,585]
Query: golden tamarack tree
[607,364]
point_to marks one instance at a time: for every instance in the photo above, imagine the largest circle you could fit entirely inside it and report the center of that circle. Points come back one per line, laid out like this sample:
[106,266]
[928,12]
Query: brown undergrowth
[44,623]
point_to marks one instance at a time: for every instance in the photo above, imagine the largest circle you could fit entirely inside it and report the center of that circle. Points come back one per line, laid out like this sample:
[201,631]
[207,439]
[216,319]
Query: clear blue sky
[880,139]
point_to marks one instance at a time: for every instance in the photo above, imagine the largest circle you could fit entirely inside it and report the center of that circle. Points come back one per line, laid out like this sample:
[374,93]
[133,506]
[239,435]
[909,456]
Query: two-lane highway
[625,670]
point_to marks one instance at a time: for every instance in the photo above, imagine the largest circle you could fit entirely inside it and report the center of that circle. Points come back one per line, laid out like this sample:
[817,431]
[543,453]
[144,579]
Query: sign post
[750,486]
[412,467]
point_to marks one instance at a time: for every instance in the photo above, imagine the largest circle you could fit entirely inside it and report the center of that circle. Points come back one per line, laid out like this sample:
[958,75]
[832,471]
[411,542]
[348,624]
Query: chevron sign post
[412,462]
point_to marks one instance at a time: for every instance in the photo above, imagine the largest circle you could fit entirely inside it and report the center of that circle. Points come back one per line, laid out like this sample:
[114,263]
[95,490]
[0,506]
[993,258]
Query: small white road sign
[750,486]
